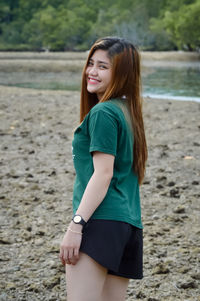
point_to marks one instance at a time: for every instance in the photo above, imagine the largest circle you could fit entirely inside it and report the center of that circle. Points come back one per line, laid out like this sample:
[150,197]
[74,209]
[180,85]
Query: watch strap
[77,219]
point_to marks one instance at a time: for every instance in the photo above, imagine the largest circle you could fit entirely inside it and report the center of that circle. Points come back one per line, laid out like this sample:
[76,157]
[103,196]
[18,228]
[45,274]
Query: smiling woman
[98,73]
[102,247]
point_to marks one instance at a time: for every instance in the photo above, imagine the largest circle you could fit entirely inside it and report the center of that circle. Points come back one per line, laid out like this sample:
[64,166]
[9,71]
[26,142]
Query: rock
[155,217]
[26,235]
[195,250]
[171,184]
[29,175]
[53,173]
[11,286]
[161,268]
[195,183]
[161,179]
[33,287]
[13,269]
[35,187]
[39,242]
[140,295]
[41,232]
[5,241]
[31,152]
[52,264]
[52,282]
[184,270]
[196,276]
[159,186]
[4,297]
[179,209]
[187,284]
[146,182]
[174,193]
[29,228]
[49,191]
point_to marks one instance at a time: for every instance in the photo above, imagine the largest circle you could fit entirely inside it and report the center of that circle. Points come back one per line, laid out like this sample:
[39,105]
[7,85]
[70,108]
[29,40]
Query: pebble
[196,276]
[140,295]
[39,242]
[179,209]
[3,297]
[161,268]
[187,284]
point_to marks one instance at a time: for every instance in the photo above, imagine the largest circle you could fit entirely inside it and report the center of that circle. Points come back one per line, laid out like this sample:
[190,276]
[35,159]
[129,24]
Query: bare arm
[98,185]
[93,196]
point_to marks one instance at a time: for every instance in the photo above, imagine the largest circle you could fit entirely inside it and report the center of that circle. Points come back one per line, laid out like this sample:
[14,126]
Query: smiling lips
[93,80]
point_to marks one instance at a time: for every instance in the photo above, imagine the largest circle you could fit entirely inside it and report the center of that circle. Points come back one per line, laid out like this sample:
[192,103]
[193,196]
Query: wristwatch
[77,219]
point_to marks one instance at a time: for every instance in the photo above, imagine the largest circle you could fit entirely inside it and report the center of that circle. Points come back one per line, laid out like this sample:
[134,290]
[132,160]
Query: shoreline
[145,96]
[171,97]
[146,55]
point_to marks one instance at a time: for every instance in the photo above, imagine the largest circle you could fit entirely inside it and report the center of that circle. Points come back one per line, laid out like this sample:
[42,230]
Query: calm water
[175,83]
[161,82]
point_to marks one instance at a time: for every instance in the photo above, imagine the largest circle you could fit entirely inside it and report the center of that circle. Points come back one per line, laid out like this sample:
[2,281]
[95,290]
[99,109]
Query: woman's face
[98,73]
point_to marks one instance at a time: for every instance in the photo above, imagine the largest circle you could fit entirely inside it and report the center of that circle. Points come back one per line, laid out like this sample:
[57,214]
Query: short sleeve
[103,132]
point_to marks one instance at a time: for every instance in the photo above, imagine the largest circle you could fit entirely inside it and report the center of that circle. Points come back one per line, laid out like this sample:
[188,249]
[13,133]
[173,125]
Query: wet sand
[36,173]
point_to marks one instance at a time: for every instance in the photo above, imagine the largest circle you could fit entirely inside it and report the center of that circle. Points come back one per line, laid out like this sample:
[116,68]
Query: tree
[75,24]
[181,27]
[184,26]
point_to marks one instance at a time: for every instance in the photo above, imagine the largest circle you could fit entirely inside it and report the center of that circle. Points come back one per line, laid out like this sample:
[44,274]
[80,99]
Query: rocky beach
[36,184]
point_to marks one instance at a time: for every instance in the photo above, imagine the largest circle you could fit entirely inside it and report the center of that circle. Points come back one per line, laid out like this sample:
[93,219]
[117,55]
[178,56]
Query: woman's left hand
[70,245]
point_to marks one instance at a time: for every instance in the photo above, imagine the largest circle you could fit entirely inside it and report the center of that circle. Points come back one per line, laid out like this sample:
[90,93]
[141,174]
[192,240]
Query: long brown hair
[125,81]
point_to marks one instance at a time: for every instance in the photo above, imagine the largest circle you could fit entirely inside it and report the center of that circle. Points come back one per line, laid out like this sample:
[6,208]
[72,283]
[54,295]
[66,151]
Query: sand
[36,173]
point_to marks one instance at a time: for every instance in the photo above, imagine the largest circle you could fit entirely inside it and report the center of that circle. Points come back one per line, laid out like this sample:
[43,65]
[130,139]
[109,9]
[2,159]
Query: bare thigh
[85,280]
[114,288]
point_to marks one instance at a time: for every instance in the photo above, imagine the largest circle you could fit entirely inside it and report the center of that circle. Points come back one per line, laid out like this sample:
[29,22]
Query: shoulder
[108,107]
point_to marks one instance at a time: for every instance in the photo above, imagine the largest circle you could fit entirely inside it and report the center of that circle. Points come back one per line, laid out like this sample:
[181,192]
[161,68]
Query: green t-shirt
[105,129]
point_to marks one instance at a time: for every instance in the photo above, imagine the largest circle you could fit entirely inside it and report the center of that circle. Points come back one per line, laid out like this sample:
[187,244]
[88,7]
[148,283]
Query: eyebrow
[100,62]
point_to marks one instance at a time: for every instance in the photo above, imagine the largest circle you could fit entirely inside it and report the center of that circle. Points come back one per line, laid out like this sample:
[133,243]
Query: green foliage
[75,24]
[181,27]
[184,26]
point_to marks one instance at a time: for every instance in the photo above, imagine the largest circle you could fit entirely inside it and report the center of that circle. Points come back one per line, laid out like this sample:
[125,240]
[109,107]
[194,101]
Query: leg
[114,288]
[85,280]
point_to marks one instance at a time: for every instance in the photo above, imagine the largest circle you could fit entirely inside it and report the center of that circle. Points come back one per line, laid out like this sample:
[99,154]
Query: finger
[70,254]
[67,261]
[74,260]
[76,252]
[75,257]
[61,256]
[65,255]
[63,261]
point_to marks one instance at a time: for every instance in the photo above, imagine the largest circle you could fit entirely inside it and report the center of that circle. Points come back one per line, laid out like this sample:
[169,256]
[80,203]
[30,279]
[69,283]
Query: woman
[102,248]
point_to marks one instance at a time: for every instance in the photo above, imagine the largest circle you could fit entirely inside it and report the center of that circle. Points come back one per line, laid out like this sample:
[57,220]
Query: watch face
[77,219]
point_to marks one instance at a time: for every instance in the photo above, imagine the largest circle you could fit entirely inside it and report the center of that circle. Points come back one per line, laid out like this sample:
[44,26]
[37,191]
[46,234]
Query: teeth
[93,80]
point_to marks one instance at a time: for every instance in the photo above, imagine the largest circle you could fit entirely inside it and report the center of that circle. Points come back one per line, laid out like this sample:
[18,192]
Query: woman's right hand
[70,245]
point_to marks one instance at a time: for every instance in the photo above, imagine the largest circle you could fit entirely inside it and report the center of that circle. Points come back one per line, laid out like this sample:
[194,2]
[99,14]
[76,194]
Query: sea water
[176,81]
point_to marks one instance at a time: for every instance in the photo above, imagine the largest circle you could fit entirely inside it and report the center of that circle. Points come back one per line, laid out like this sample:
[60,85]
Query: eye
[90,63]
[102,67]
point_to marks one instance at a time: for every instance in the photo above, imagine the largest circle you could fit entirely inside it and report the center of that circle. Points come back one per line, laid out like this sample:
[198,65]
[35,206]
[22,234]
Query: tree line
[59,25]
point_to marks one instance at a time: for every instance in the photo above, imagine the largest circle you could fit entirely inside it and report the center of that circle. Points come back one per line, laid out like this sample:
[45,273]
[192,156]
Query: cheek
[87,71]
[108,78]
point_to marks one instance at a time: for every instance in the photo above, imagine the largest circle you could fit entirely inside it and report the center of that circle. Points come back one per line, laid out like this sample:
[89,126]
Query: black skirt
[117,246]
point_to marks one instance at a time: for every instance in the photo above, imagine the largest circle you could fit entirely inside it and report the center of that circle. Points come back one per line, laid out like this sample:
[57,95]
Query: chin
[92,91]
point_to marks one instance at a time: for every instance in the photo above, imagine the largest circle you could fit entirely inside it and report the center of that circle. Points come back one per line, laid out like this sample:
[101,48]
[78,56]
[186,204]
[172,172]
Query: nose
[93,70]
